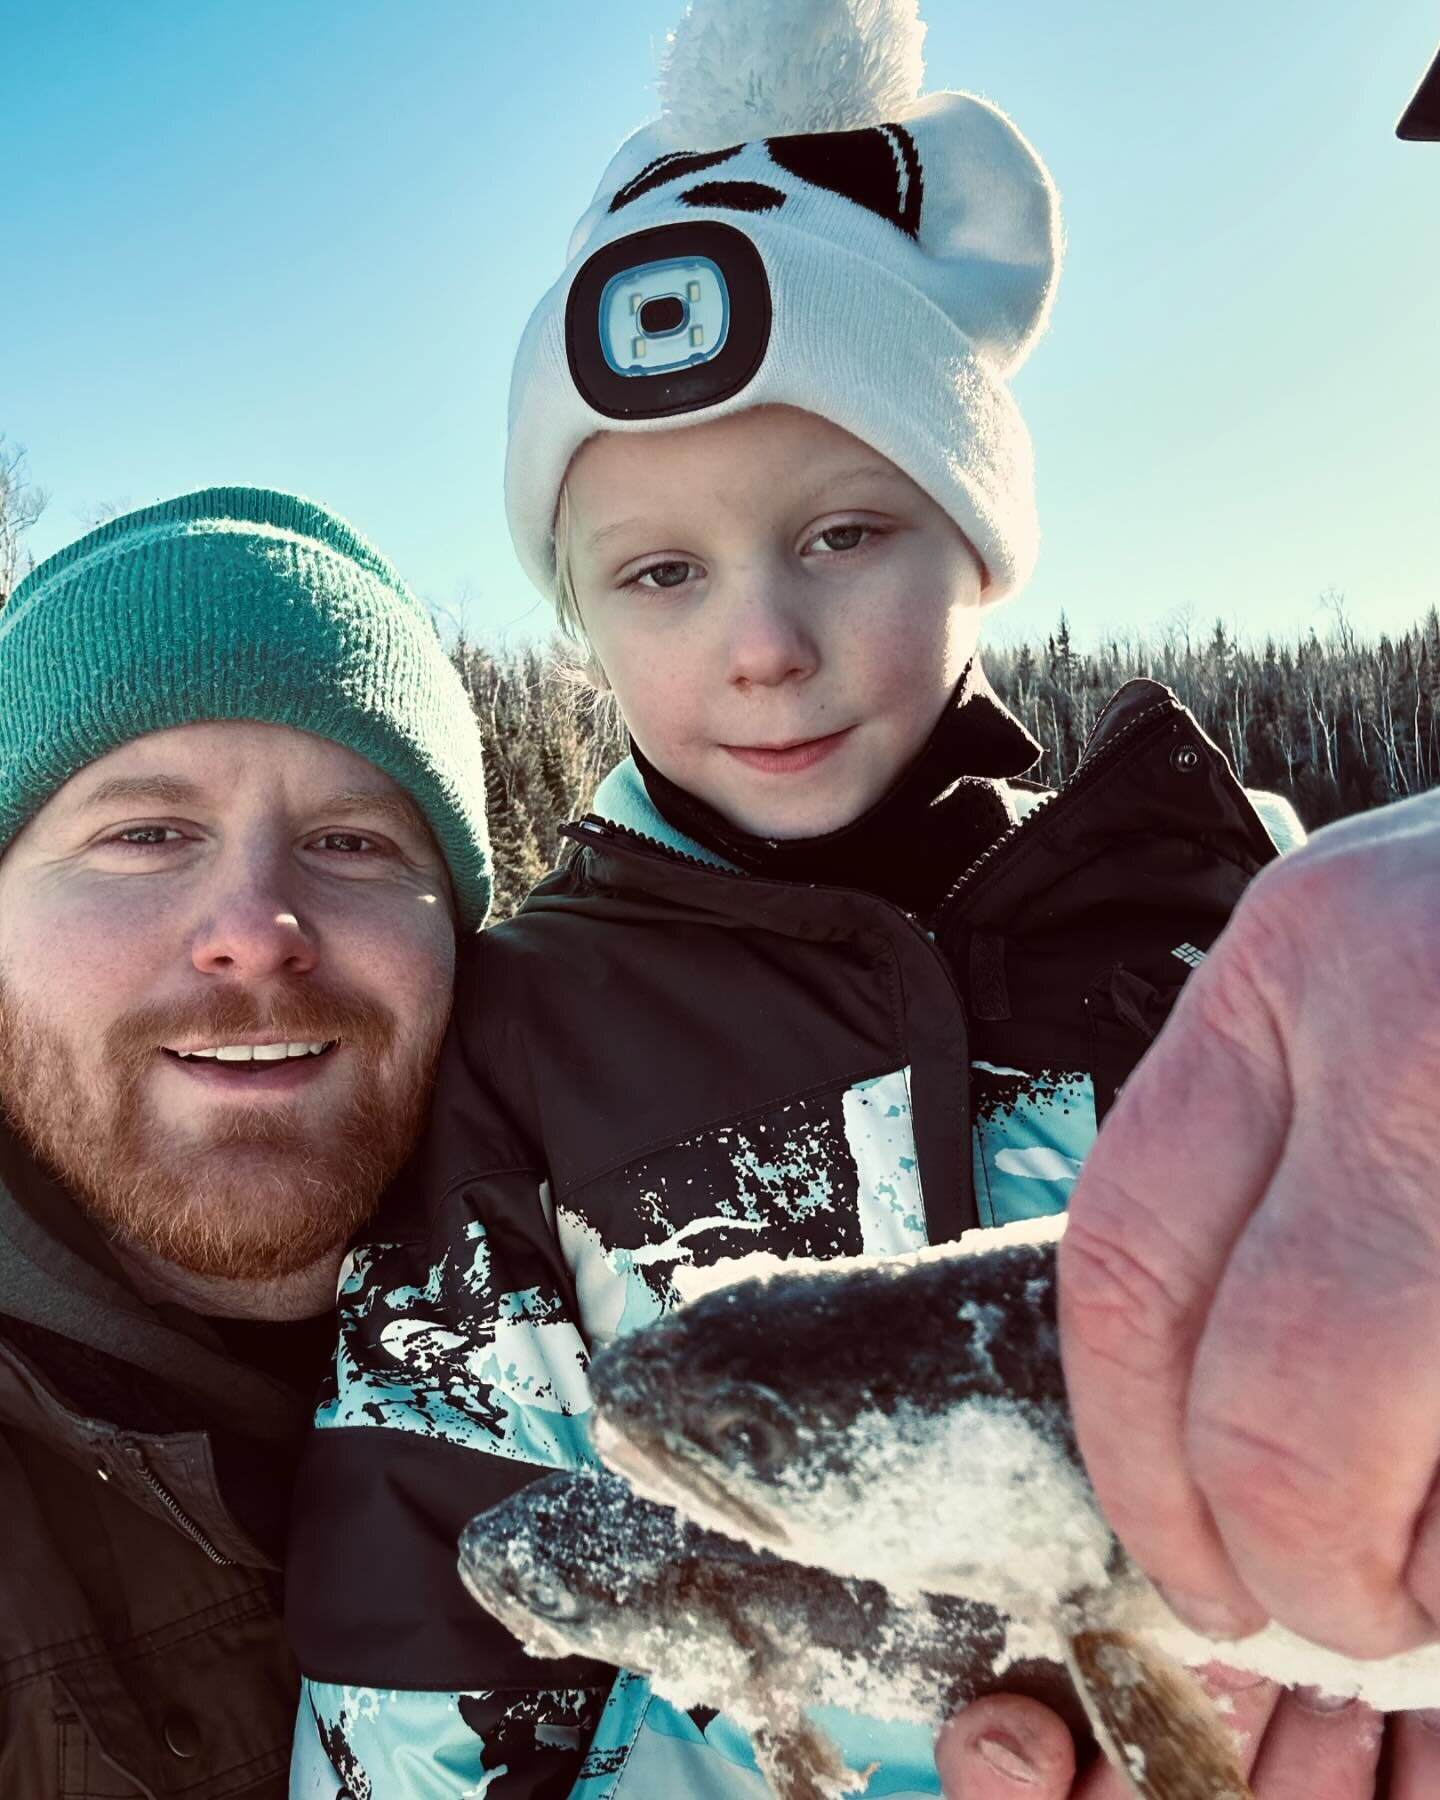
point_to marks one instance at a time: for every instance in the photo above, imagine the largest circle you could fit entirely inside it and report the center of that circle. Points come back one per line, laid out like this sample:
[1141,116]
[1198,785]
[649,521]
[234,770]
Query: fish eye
[745,1440]
[549,1600]
[750,1426]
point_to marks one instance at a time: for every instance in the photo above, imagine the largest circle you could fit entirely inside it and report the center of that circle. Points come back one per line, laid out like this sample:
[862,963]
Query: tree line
[1337,724]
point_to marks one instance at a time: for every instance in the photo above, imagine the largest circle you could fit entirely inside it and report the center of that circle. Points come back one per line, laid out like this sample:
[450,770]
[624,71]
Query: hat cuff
[850,341]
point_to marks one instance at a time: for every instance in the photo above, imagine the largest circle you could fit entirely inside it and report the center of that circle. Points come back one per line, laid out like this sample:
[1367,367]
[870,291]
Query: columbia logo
[1189,955]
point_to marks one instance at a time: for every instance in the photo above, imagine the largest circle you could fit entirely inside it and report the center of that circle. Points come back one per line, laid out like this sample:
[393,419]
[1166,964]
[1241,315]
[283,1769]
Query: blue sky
[294,243]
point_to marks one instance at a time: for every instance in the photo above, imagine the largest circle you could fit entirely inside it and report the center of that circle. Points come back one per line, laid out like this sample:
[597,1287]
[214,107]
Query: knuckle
[1117,1302]
[1279,1495]
[1359,889]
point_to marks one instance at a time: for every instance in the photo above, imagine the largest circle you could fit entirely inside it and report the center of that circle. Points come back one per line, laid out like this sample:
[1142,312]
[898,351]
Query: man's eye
[838,538]
[144,836]
[665,575]
[348,843]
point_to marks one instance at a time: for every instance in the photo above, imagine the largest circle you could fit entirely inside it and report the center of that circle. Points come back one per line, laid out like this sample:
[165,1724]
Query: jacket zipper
[176,1511]
[1078,784]
[592,825]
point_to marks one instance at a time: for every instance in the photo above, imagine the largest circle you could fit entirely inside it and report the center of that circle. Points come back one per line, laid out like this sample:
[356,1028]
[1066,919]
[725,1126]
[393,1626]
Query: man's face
[224,888]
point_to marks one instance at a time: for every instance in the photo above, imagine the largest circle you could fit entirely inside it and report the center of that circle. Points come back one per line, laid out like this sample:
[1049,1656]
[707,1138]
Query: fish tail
[1154,1721]
[801,1763]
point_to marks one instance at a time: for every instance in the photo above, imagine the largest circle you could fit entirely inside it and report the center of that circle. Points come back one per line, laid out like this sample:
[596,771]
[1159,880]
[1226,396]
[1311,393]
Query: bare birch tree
[21,504]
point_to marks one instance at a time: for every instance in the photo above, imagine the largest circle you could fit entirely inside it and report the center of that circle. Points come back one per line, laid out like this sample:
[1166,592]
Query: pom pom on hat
[899,263]
[741,69]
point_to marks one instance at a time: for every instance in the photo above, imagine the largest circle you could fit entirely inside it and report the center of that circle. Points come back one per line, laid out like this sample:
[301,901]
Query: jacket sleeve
[460,1377]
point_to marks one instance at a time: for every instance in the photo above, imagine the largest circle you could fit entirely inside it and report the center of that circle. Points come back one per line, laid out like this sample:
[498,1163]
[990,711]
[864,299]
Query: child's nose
[772,641]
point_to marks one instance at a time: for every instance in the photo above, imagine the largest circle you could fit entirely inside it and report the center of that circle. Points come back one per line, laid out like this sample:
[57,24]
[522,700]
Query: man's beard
[255,1195]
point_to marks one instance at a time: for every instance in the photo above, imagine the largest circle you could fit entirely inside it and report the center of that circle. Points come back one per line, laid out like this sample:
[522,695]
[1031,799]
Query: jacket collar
[1124,789]
[946,807]
[144,1466]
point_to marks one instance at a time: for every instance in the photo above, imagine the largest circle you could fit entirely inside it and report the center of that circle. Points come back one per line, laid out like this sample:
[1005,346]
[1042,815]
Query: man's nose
[771,638]
[252,929]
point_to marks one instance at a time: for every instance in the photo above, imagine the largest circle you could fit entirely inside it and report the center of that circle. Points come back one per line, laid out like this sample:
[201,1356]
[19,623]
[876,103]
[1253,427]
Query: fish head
[761,1400]
[578,1564]
[694,1412]
[574,1563]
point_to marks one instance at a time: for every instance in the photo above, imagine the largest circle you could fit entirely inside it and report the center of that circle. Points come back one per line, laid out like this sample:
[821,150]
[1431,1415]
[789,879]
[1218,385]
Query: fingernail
[1220,1678]
[1315,1700]
[1004,1755]
[1211,1618]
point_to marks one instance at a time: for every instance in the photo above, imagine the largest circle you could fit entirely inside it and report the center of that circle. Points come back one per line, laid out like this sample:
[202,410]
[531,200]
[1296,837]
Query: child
[821,974]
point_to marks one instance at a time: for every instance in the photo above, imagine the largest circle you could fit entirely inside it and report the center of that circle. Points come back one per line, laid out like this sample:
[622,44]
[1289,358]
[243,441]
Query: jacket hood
[57,1272]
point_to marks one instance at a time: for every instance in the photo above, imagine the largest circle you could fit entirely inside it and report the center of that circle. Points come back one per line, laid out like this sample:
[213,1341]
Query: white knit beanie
[800,228]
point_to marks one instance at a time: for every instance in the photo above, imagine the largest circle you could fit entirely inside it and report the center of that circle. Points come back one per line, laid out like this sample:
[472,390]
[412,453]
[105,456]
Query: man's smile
[277,1066]
[276,1051]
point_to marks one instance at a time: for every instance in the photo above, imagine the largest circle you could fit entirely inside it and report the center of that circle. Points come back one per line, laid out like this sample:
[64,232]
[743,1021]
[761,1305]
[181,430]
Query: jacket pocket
[203,1709]
[84,1771]
[1127,1011]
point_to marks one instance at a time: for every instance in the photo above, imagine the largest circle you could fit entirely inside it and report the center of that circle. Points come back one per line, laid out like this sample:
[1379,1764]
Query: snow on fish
[905,1420]
[579,1564]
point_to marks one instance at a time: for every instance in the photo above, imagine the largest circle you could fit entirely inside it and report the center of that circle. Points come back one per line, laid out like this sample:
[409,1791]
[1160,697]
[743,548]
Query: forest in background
[1337,724]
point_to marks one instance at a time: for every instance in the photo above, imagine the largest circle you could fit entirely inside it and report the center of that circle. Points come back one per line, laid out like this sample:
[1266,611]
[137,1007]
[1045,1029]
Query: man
[242,818]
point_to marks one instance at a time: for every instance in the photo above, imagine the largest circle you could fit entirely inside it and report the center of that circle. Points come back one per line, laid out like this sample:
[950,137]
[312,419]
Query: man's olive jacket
[141,1650]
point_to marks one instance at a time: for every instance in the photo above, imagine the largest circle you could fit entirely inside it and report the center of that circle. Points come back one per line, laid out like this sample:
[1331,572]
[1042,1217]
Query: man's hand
[1250,1281]
[1293,1747]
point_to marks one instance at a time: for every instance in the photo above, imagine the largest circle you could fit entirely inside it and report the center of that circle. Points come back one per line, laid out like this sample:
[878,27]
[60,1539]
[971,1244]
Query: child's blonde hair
[574,660]
[567,606]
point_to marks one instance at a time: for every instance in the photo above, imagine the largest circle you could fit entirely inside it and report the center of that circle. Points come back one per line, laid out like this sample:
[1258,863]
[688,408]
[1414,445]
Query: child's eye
[671,574]
[835,539]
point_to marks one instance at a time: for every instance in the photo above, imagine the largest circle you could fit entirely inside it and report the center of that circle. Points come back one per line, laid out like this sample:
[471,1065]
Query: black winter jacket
[661,1061]
[142,1652]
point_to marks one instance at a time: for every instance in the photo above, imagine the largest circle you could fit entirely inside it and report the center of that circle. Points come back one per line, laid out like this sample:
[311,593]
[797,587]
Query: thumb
[1005,1747]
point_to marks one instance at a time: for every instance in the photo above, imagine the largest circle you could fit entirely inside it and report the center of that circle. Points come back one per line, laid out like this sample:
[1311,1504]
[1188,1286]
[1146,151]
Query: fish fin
[1154,1721]
[800,1763]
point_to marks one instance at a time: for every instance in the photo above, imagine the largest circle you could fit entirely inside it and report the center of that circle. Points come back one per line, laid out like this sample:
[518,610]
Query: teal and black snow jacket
[662,1061]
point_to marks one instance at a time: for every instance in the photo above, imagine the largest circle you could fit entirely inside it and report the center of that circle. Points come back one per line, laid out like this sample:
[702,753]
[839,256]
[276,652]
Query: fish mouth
[670,1473]
[495,1596]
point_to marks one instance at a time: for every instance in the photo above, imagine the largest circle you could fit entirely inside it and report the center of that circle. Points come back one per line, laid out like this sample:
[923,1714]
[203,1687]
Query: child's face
[781,613]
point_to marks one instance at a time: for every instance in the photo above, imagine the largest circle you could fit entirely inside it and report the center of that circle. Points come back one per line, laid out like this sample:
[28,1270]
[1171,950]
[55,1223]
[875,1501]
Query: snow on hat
[799,227]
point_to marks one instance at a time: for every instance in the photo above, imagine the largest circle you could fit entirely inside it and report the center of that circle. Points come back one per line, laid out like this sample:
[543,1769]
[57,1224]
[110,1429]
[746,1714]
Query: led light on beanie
[801,228]
[668,321]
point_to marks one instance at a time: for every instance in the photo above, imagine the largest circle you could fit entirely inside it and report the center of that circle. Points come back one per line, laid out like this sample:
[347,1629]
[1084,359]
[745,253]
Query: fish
[905,1420]
[902,1419]
[579,1564]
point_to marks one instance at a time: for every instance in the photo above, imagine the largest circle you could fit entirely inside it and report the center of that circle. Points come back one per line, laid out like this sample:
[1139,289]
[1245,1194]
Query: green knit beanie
[237,603]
